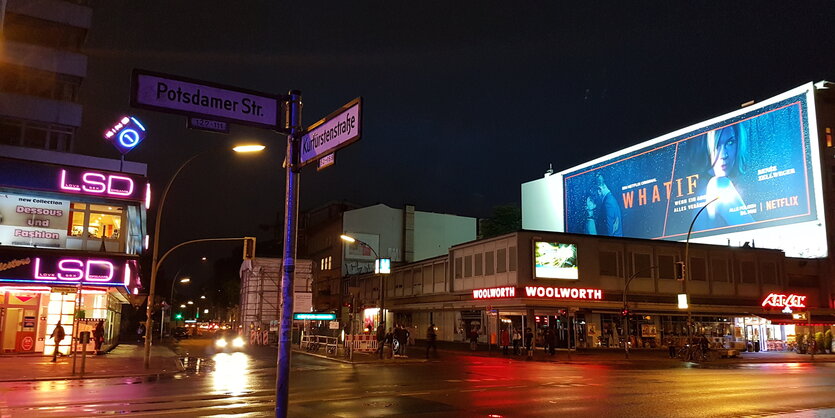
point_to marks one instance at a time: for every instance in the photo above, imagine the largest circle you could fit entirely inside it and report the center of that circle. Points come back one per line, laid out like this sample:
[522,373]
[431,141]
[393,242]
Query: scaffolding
[261,290]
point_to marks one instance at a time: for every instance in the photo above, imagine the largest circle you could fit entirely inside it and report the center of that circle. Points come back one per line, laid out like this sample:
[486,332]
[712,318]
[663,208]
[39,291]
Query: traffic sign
[174,94]
[335,131]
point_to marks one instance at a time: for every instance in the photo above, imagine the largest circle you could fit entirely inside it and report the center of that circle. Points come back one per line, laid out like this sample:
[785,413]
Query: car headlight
[238,342]
[220,343]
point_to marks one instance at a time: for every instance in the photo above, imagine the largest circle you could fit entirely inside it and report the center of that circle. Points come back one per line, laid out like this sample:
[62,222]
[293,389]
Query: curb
[340,360]
[180,369]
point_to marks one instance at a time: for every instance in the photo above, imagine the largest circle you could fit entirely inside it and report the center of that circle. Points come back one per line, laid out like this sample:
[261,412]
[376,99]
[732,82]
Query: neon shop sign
[546,292]
[785,302]
[97,183]
[93,271]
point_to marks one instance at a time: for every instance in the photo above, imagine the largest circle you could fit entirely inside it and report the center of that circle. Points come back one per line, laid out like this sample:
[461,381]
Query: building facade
[41,71]
[72,228]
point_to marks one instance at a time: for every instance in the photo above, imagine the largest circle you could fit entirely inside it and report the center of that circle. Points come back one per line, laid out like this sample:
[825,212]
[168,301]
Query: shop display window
[92,226]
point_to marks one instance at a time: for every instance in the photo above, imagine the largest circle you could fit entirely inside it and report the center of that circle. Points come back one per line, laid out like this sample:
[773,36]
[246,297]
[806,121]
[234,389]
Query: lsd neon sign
[97,183]
[779,300]
[68,270]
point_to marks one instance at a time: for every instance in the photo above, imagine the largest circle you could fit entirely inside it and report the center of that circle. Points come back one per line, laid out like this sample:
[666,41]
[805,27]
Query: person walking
[381,339]
[473,338]
[98,336]
[529,342]
[58,335]
[517,342]
[551,340]
[505,340]
[431,339]
[140,333]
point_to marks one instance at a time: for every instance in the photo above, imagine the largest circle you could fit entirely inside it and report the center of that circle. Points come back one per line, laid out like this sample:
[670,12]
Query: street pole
[687,271]
[291,195]
[625,318]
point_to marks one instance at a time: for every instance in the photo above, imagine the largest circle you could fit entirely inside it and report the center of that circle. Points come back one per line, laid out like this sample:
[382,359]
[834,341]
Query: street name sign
[335,131]
[208,125]
[202,99]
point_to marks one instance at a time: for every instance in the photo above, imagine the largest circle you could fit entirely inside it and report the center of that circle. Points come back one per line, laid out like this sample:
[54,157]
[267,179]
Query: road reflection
[231,374]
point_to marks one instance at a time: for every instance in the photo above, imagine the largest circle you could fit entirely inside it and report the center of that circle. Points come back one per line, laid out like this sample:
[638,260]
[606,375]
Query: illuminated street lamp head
[190,303]
[203,297]
[203,259]
[182,306]
[347,238]
[249,148]
[185,280]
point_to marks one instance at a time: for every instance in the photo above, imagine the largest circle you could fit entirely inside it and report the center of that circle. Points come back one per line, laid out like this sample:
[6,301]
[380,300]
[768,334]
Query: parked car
[180,333]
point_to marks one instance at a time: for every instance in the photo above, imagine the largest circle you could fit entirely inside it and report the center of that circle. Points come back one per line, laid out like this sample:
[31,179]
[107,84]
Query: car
[180,333]
[229,341]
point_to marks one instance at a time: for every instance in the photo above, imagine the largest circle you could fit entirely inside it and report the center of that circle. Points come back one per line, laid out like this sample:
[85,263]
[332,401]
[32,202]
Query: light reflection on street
[231,375]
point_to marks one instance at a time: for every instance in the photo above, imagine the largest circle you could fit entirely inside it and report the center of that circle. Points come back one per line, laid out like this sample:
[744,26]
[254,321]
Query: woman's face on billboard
[724,158]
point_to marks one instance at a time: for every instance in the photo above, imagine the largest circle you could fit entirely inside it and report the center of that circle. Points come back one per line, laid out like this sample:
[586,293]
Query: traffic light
[681,270]
[625,313]
[249,248]
[179,316]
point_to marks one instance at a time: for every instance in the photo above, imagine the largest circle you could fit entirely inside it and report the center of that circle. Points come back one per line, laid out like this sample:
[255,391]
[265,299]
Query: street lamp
[351,240]
[687,270]
[625,319]
[155,257]
[184,280]
[190,302]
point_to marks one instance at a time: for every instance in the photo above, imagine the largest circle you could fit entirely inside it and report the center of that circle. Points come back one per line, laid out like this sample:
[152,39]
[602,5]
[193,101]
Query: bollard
[84,336]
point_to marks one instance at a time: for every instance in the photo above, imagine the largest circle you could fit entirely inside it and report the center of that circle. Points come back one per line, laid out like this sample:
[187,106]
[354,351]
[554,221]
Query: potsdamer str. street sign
[333,132]
[202,99]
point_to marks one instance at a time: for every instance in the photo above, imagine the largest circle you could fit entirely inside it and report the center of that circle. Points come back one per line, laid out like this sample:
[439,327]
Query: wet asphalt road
[454,386]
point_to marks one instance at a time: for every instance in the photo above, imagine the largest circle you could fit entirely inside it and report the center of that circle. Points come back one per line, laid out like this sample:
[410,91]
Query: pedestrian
[517,342]
[406,341]
[671,346]
[390,341]
[551,340]
[381,339]
[58,335]
[140,333]
[431,338]
[473,339]
[98,336]
[399,337]
[505,340]
[529,342]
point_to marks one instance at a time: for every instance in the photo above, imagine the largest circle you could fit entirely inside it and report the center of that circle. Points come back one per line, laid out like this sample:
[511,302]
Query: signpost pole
[282,386]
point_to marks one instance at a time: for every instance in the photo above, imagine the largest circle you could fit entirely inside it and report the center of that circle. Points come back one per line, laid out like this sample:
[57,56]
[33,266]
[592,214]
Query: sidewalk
[642,357]
[126,360]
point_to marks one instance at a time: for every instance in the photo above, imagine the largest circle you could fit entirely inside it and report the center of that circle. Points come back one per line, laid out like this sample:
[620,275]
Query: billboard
[752,175]
[554,260]
[32,221]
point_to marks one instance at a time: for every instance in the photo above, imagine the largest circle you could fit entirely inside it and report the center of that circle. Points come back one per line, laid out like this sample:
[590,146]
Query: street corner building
[71,231]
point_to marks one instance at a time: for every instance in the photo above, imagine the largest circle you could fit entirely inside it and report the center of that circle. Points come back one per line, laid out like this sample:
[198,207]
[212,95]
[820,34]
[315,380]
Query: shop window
[459,267]
[468,266]
[479,264]
[96,223]
[105,222]
[719,268]
[642,266]
[697,269]
[35,137]
[512,262]
[747,272]
[666,267]
[501,260]
[10,132]
[768,272]
[489,266]
[608,263]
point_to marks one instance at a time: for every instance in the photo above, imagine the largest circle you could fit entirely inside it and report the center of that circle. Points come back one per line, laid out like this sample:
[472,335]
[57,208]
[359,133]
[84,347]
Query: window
[643,265]
[96,223]
[697,269]
[459,267]
[608,263]
[479,264]
[666,267]
[719,267]
[489,265]
[105,221]
[768,272]
[36,135]
[42,32]
[468,266]
[501,260]
[748,272]
[512,254]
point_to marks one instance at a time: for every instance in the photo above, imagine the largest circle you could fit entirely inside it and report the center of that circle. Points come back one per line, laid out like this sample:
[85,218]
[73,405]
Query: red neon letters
[777,300]
[98,183]
[494,293]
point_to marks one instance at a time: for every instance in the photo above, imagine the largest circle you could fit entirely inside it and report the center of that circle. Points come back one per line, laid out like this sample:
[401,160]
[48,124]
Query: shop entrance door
[11,325]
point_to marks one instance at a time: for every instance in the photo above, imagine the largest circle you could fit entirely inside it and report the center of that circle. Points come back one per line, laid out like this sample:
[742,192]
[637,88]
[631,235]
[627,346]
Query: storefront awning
[787,319]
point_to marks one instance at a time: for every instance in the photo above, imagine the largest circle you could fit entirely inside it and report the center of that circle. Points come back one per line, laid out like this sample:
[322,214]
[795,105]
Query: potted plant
[827,341]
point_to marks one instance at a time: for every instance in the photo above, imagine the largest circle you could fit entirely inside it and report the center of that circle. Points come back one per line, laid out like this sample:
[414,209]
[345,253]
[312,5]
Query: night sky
[463,101]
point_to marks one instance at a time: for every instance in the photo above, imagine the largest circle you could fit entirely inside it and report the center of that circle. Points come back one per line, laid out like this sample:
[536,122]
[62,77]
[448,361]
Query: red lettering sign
[778,300]
[563,293]
[494,293]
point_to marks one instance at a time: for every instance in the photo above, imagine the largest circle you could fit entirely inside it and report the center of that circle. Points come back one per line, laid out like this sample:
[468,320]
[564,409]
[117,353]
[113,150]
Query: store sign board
[174,94]
[73,180]
[29,221]
[299,316]
[779,300]
[335,131]
[69,270]
[539,292]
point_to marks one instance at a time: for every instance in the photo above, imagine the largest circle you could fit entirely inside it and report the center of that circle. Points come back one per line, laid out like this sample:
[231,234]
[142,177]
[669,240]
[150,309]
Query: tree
[505,219]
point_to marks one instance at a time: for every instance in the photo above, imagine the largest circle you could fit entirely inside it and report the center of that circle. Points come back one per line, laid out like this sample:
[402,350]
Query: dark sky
[463,101]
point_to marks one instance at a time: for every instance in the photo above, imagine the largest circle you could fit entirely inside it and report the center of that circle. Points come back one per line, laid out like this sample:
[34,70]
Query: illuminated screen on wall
[756,171]
[554,260]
